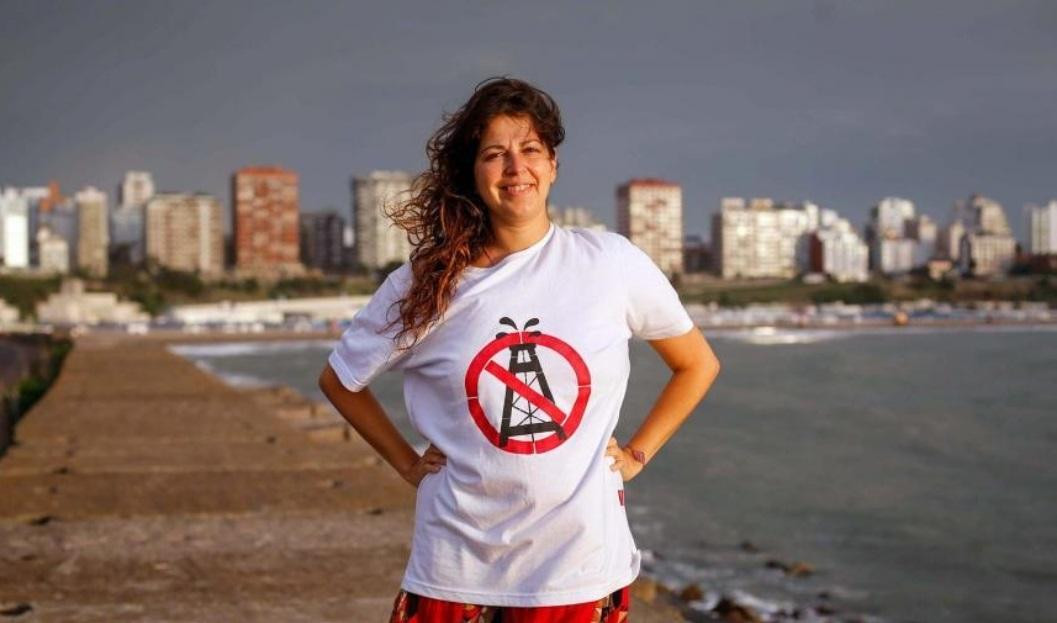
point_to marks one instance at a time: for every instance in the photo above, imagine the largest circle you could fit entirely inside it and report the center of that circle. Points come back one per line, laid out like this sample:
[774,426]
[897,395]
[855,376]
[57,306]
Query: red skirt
[412,608]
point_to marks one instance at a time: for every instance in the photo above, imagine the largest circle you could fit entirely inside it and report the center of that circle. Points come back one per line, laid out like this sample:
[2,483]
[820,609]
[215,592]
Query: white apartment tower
[137,188]
[14,229]
[184,232]
[837,250]
[650,215]
[93,234]
[892,251]
[378,241]
[988,247]
[1042,228]
[756,239]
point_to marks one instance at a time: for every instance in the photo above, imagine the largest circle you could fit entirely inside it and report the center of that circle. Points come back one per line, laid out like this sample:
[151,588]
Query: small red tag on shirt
[620,494]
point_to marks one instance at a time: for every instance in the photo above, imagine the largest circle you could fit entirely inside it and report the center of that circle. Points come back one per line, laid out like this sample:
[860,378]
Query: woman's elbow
[708,368]
[326,381]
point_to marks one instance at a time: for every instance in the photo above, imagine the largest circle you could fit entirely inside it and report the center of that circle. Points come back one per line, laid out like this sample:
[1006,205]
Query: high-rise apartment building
[265,205]
[758,239]
[837,251]
[988,247]
[53,251]
[322,241]
[137,188]
[899,239]
[378,241]
[650,215]
[184,232]
[93,234]
[892,252]
[734,228]
[1042,228]
[127,219]
[14,229]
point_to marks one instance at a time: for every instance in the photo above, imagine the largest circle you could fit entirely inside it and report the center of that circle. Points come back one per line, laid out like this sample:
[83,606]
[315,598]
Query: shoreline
[878,326]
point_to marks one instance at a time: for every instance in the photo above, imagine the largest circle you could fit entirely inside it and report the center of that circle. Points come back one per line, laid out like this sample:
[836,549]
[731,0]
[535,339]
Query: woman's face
[514,170]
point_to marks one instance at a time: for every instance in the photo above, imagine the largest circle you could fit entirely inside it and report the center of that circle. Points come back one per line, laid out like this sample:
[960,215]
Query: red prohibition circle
[572,419]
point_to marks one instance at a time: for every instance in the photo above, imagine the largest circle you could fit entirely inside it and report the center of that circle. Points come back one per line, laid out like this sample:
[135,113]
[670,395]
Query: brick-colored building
[265,218]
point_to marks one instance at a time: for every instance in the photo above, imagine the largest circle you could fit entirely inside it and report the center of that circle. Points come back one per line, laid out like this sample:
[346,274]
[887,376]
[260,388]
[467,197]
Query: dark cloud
[842,103]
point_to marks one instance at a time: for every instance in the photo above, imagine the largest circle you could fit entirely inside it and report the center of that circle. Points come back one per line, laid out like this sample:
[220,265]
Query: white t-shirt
[520,386]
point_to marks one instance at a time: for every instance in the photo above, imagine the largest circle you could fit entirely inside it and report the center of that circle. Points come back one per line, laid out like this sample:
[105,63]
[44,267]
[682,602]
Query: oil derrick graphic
[520,416]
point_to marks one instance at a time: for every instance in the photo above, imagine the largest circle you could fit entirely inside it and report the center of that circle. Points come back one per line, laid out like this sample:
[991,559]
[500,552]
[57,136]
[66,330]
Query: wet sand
[143,489]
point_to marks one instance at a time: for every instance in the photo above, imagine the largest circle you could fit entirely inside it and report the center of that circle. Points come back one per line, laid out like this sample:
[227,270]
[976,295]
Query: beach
[141,488]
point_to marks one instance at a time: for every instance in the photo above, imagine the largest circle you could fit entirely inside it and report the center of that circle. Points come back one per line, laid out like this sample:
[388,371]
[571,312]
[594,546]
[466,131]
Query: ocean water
[912,470]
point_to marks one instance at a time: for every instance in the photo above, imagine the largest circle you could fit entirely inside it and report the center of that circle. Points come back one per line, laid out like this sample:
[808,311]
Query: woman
[512,336]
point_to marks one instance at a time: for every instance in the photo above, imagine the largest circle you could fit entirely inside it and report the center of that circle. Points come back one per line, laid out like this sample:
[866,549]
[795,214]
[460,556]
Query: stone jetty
[143,489]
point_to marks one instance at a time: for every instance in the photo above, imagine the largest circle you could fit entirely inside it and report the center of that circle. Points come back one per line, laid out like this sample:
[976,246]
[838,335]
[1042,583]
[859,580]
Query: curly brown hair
[445,218]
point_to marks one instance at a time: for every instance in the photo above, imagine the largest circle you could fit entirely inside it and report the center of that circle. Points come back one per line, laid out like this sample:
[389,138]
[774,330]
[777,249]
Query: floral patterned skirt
[412,608]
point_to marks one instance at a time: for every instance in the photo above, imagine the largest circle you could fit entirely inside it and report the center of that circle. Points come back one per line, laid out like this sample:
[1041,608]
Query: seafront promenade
[143,489]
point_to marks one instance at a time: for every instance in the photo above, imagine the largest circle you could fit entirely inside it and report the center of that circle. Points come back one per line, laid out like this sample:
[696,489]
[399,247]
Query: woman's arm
[363,412]
[694,366]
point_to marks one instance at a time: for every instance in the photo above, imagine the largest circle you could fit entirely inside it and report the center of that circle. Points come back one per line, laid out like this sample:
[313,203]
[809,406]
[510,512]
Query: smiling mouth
[516,189]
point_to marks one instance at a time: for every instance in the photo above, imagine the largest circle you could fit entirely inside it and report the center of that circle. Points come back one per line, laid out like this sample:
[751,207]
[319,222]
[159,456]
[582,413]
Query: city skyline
[806,101]
[1022,234]
[754,237]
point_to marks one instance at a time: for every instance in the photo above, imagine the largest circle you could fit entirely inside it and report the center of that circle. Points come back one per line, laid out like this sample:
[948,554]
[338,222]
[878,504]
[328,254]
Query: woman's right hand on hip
[429,463]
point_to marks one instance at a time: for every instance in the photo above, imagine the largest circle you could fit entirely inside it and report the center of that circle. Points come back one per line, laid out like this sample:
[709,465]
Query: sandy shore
[142,489]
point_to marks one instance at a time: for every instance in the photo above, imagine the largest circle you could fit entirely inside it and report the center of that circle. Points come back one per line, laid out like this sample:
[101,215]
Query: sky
[840,103]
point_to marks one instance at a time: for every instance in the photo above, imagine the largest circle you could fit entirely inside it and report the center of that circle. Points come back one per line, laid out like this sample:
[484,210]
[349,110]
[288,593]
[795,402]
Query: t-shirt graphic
[531,420]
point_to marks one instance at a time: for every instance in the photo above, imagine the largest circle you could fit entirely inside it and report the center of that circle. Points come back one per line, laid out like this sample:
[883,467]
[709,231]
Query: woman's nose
[514,163]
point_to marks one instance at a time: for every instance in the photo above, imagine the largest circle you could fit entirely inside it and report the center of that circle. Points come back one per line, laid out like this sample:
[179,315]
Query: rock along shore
[142,489]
